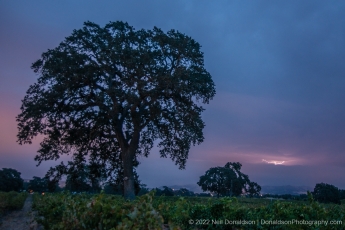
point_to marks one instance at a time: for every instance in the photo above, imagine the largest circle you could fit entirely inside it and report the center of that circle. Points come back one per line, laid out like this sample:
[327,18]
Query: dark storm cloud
[278,67]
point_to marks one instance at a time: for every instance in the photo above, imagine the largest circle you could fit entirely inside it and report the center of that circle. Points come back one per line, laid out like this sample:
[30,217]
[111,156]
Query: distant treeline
[10,180]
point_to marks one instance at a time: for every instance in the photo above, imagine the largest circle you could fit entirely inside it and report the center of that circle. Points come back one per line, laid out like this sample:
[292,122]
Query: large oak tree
[105,94]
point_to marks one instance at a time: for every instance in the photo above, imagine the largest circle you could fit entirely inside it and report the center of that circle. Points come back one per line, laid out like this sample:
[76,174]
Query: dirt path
[21,219]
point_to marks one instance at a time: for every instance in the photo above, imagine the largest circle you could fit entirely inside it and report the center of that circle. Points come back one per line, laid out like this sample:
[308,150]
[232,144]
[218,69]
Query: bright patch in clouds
[274,162]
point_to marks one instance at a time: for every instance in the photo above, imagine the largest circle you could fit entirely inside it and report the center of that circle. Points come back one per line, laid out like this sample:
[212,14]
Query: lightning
[274,162]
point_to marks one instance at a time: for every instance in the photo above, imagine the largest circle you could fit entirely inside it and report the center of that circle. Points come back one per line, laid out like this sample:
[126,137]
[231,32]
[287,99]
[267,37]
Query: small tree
[53,185]
[80,177]
[166,191]
[218,180]
[326,193]
[227,180]
[38,184]
[184,192]
[77,183]
[10,180]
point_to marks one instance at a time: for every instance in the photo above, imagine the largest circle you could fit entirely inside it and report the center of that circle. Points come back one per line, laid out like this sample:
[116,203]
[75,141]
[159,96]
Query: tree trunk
[127,155]
[128,176]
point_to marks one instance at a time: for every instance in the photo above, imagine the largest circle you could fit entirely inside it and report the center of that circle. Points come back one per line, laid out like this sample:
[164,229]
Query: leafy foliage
[217,180]
[166,191]
[184,192]
[11,201]
[38,184]
[66,211]
[104,95]
[342,194]
[78,180]
[228,181]
[326,193]
[253,189]
[82,211]
[10,180]
[143,190]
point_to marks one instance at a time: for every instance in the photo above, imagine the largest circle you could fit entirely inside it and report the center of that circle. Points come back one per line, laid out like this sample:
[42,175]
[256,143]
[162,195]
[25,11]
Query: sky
[278,67]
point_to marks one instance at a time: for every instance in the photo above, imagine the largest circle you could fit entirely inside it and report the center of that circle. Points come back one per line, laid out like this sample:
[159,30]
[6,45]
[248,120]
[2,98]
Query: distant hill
[285,189]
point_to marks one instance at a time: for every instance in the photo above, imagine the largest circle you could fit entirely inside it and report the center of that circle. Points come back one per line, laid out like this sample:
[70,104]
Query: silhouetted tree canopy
[228,181]
[253,189]
[10,180]
[105,94]
[80,177]
[143,190]
[166,191]
[217,180]
[38,184]
[342,194]
[326,193]
[184,192]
